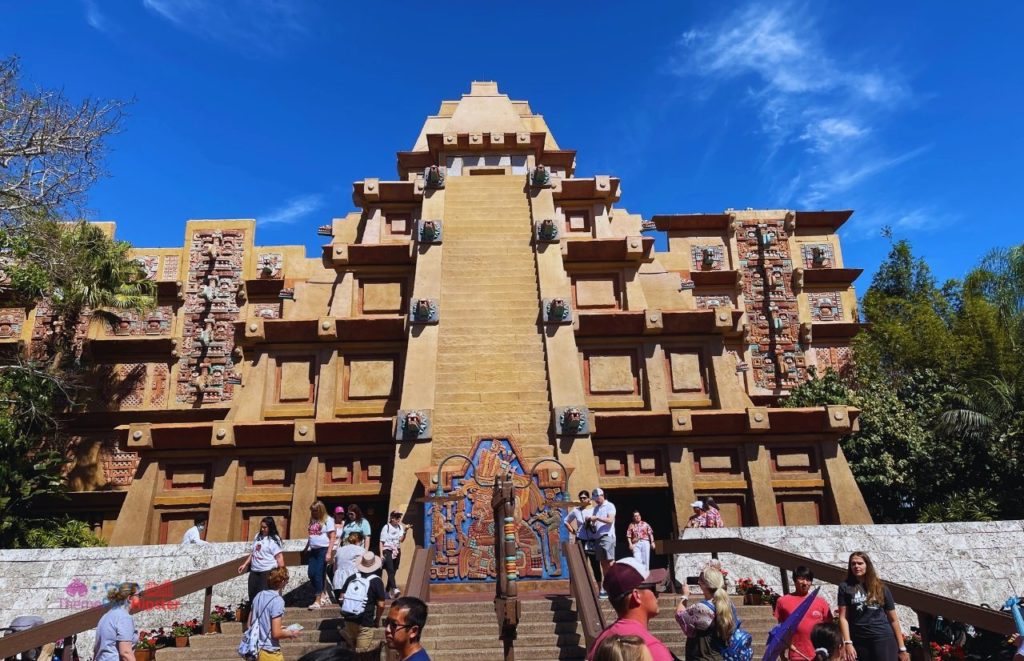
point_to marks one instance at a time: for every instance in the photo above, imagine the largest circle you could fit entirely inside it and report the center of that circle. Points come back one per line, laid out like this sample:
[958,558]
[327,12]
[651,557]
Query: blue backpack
[739,646]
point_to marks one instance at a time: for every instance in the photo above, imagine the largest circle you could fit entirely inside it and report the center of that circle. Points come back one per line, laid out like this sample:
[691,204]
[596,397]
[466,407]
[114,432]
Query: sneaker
[395,593]
[603,595]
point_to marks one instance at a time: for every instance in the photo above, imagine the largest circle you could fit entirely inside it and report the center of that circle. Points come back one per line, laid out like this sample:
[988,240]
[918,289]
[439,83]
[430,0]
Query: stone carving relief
[207,371]
[711,302]
[826,306]
[45,325]
[150,264]
[157,321]
[462,529]
[836,358]
[817,255]
[778,361]
[172,265]
[708,258]
[270,265]
[11,322]
[265,310]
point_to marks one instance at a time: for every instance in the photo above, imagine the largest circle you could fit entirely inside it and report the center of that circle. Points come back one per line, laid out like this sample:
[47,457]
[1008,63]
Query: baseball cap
[628,574]
[596,492]
[697,503]
[339,509]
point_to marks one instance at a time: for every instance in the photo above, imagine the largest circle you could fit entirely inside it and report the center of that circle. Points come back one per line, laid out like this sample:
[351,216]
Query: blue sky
[908,113]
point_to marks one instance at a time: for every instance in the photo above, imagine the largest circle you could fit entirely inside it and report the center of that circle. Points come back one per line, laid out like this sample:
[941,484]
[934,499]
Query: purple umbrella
[780,637]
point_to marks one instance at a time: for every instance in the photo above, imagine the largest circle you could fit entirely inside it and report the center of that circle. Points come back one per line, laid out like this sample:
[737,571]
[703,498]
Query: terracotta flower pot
[145,655]
[181,641]
[753,599]
[213,627]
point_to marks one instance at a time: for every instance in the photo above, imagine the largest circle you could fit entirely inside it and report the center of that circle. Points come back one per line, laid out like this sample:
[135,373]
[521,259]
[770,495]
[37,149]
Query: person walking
[640,537]
[267,611]
[633,593]
[576,522]
[356,522]
[712,516]
[362,602]
[403,628]
[867,615]
[116,635]
[319,546]
[603,520]
[266,555]
[194,535]
[391,537]
[345,561]
[801,648]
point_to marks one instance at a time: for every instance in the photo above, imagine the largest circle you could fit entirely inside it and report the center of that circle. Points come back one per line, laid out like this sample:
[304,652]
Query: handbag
[249,648]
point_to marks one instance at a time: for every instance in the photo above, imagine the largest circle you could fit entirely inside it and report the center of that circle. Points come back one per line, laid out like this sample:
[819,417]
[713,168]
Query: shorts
[606,548]
[268,655]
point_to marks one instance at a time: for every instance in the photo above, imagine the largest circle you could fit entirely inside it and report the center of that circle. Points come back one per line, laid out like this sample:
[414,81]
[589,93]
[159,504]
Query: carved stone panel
[212,303]
[158,321]
[826,306]
[12,320]
[708,257]
[817,255]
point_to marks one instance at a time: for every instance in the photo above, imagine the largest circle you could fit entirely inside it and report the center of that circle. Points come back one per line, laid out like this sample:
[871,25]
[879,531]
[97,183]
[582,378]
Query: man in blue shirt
[403,628]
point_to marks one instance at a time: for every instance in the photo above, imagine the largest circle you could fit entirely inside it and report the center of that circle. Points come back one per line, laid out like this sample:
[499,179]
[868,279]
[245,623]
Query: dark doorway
[655,506]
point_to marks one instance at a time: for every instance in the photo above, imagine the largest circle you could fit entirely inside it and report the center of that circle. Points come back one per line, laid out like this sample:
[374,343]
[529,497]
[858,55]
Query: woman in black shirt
[867,615]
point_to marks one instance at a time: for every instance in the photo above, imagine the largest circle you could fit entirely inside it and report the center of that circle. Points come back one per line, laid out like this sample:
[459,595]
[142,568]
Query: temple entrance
[656,508]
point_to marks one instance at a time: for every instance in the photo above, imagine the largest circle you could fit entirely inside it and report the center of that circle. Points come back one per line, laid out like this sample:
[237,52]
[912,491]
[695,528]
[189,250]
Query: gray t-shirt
[265,607]
[115,626]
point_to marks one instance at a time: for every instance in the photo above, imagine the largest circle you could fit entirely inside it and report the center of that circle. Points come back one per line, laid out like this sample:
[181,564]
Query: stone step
[521,396]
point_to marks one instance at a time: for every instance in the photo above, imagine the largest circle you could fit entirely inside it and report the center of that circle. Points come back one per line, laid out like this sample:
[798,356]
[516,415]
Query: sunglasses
[388,623]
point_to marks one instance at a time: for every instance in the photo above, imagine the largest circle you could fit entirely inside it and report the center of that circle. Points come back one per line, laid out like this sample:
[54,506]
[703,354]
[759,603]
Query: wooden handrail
[588,605]
[920,601]
[72,625]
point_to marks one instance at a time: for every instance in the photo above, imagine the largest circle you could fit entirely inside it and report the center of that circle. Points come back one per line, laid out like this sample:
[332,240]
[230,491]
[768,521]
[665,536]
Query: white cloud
[95,18]
[833,105]
[868,224]
[292,210]
[250,26]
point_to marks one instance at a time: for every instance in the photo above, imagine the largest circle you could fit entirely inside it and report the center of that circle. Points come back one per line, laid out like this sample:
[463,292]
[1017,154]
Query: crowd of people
[864,628]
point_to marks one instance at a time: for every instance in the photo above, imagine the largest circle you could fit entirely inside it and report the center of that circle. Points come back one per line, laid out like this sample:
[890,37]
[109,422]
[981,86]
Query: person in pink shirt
[801,648]
[633,593]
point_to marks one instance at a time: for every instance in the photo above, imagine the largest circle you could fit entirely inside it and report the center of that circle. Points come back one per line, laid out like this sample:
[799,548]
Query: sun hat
[628,574]
[369,562]
[697,503]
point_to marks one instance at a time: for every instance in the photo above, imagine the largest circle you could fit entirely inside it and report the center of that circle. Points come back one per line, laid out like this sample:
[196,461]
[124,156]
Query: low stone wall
[54,583]
[972,562]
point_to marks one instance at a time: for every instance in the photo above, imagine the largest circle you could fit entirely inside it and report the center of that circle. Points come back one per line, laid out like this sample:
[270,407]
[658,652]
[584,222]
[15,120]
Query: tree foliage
[940,386]
[51,149]
[50,153]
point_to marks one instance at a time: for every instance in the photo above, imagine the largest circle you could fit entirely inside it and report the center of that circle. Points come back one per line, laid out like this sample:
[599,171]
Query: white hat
[597,492]
[697,503]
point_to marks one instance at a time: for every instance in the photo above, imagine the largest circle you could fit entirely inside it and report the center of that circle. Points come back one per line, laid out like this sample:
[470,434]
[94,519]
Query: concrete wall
[37,581]
[972,562]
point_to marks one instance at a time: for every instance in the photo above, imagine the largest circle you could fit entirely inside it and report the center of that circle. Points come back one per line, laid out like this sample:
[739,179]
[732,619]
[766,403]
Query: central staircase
[491,372]
[468,631]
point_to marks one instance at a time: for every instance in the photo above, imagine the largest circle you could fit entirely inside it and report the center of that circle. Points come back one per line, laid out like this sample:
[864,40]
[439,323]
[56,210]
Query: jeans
[391,566]
[315,569]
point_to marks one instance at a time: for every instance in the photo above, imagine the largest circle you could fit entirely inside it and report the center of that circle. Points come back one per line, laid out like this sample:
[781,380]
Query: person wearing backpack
[266,613]
[362,602]
[712,629]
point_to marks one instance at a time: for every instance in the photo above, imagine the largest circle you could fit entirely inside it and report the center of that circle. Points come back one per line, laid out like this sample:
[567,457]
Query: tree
[51,149]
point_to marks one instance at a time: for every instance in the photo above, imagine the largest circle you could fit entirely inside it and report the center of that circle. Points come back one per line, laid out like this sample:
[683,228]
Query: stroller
[19,624]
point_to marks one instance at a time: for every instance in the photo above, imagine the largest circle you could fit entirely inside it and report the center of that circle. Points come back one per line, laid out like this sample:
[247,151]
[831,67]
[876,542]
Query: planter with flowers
[915,647]
[181,632]
[145,649]
[217,615]
[242,612]
[755,592]
[947,652]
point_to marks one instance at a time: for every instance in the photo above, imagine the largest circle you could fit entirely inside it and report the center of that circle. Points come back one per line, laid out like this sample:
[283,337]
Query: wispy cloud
[251,26]
[868,223]
[95,18]
[828,111]
[292,210]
